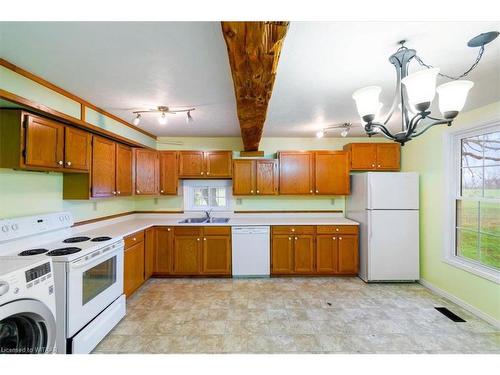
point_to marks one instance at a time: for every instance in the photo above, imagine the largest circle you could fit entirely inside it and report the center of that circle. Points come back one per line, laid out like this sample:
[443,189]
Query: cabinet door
[163,251]
[218,164]
[146,172]
[216,257]
[348,254]
[191,164]
[296,172]
[243,177]
[266,177]
[388,156]
[303,259]
[77,149]
[44,143]
[133,268]
[124,160]
[282,254]
[149,252]
[168,173]
[363,156]
[186,255]
[326,254]
[103,167]
[332,173]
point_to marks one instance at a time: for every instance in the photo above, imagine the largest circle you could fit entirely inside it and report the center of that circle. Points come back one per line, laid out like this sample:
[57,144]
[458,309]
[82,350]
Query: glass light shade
[137,120]
[344,133]
[452,95]
[189,118]
[367,100]
[163,119]
[421,87]
[320,134]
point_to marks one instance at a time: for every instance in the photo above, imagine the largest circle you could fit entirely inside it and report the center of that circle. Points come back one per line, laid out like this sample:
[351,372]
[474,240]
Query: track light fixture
[346,126]
[163,111]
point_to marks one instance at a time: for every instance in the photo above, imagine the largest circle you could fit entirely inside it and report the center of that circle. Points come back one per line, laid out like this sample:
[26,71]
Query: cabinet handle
[293,229]
[201,172]
[337,229]
[208,173]
[334,238]
[114,192]
[135,239]
[373,165]
[317,191]
[119,192]
[68,163]
[138,192]
[378,165]
[296,238]
[289,238]
[251,191]
[310,191]
[161,191]
[60,162]
[340,238]
[204,239]
[257,192]
[168,229]
[197,239]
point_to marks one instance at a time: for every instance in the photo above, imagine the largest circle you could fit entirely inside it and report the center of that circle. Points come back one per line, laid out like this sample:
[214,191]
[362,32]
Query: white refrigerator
[386,205]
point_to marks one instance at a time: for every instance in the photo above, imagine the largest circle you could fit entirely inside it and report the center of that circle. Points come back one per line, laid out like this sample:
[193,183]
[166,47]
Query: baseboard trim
[460,303]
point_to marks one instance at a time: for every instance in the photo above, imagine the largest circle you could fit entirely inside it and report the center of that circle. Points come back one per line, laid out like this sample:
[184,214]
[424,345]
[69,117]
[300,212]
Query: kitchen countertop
[124,226]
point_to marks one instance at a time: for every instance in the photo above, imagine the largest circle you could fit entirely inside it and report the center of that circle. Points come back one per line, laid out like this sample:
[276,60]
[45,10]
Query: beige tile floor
[293,315]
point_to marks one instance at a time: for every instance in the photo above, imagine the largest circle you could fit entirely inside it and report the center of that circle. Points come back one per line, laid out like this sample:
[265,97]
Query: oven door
[94,282]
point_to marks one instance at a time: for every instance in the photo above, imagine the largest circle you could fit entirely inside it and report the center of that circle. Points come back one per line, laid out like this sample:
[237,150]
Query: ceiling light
[137,119]
[163,119]
[189,118]
[415,93]
[344,132]
[320,134]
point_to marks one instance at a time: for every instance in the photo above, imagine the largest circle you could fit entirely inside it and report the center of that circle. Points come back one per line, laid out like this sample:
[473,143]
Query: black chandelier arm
[413,124]
[438,122]
[383,129]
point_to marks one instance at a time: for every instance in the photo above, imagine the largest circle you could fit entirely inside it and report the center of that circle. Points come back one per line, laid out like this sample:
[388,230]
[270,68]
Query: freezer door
[392,191]
[393,245]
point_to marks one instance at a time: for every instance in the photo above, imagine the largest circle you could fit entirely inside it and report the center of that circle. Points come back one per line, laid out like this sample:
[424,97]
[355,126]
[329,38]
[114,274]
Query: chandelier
[162,111]
[415,93]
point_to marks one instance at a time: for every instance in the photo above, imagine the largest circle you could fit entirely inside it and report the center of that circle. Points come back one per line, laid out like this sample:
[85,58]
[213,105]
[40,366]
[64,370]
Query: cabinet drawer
[217,231]
[341,229]
[133,239]
[188,231]
[293,229]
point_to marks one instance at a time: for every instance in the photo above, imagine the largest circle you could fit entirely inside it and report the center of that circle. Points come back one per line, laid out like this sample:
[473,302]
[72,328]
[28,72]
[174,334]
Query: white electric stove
[88,274]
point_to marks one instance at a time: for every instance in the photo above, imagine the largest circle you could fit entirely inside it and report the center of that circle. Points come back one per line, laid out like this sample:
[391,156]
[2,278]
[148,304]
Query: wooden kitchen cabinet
[348,255]
[123,171]
[205,164]
[326,254]
[255,177]
[169,180]
[282,254]
[216,255]
[337,250]
[186,255]
[133,275]
[331,173]
[303,254]
[149,252]
[32,142]
[218,164]
[164,237]
[103,167]
[292,250]
[374,156]
[296,172]
[77,149]
[146,171]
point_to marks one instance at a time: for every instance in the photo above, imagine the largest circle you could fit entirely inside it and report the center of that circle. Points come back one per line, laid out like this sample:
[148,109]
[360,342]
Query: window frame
[189,186]
[452,170]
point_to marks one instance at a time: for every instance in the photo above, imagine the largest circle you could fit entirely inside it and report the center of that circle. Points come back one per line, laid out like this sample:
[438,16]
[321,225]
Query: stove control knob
[14,227]
[4,287]
[5,228]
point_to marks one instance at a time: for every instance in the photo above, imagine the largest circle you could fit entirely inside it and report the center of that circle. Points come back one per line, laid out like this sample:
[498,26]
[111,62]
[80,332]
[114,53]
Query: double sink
[208,220]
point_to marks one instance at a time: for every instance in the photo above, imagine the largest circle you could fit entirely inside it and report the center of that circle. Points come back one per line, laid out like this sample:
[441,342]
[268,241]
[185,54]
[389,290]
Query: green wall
[426,156]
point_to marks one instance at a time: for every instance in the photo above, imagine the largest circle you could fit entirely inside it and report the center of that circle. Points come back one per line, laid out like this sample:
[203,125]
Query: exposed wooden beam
[254,49]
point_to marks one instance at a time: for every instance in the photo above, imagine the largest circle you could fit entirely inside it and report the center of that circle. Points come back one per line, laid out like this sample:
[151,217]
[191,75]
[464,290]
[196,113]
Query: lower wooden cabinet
[330,250]
[133,273]
[216,255]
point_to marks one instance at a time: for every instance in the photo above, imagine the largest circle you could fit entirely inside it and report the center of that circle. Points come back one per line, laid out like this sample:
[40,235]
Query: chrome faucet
[207,214]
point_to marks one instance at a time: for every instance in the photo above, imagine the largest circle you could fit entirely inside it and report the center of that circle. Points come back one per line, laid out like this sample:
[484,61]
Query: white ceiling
[126,66]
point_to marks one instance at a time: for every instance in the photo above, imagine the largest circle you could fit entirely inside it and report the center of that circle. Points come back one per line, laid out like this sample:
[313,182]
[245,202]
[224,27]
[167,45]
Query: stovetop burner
[100,239]
[64,251]
[32,252]
[76,239]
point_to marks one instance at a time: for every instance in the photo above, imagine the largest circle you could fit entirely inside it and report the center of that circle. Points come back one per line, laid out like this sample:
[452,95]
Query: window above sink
[205,195]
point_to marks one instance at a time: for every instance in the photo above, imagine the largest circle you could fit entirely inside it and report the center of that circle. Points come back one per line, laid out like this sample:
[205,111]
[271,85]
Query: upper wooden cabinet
[169,180]
[103,167]
[124,160]
[374,156]
[296,172]
[331,173]
[205,164]
[146,171]
[255,177]
[32,142]
[314,172]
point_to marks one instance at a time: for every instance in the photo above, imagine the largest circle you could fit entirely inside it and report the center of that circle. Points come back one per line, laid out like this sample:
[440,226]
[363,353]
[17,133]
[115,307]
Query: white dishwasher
[251,251]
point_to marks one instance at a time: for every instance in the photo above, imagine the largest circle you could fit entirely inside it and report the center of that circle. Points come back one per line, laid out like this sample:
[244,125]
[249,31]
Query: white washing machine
[27,306]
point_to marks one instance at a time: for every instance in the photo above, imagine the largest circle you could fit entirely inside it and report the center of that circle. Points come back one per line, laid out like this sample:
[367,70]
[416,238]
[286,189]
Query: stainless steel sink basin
[218,220]
[193,220]
[199,220]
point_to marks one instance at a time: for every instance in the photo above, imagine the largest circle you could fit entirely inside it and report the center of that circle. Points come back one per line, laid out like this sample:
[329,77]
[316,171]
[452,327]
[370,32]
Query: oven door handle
[106,254]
